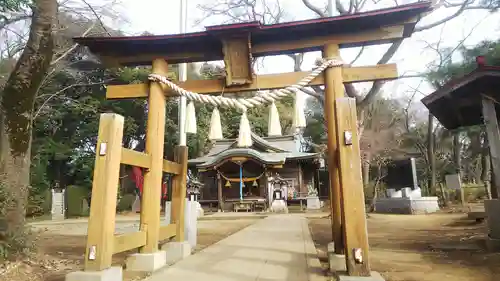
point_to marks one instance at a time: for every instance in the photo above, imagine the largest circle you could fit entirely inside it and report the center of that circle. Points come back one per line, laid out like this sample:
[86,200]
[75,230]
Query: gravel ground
[80,228]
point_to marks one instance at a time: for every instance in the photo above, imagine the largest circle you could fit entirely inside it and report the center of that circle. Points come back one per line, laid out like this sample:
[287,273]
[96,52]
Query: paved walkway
[278,247]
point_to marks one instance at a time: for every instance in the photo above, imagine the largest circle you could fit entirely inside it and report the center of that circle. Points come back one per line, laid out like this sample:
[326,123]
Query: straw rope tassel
[215,132]
[245,133]
[190,118]
[299,117]
[273,126]
[261,98]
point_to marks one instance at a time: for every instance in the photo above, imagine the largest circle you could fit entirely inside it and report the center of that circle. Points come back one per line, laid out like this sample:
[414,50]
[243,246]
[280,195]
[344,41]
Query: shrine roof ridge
[206,45]
[264,157]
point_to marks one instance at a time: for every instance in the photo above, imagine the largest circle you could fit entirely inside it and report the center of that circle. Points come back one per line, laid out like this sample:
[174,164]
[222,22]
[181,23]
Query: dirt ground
[435,247]
[58,254]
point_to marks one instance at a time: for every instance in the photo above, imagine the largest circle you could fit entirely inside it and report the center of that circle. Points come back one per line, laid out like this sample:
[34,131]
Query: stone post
[58,210]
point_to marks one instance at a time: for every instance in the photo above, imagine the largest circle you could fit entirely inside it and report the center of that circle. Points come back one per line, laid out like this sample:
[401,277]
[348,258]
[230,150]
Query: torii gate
[237,44]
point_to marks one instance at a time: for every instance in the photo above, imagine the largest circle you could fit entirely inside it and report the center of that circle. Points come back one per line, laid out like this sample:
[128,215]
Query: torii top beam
[353,30]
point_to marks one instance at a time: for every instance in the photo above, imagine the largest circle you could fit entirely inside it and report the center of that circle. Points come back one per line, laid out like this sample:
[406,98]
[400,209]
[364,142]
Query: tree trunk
[16,114]
[376,189]
[366,169]
[443,195]
[456,153]
[432,159]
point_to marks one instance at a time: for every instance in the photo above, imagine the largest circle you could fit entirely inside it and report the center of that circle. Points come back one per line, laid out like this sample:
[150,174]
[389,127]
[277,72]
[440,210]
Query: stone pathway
[278,247]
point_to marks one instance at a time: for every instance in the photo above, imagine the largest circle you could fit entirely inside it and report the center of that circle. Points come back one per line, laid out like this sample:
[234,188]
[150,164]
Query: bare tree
[31,62]
[270,11]
[17,98]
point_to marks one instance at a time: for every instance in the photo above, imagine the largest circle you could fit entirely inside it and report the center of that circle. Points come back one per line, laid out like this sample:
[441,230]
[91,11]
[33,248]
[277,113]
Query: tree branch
[315,9]
[67,52]
[352,92]
[97,16]
[313,93]
[7,22]
[464,6]
[340,7]
[64,89]
[358,55]
[377,85]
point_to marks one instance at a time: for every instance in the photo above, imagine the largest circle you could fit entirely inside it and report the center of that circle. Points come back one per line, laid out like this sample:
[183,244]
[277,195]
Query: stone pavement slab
[278,247]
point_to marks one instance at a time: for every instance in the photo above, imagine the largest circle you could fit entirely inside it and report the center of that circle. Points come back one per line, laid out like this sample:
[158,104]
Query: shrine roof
[269,151]
[207,46]
[273,158]
[458,103]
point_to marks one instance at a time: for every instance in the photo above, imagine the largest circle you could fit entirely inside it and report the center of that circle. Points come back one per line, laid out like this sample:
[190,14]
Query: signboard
[453,182]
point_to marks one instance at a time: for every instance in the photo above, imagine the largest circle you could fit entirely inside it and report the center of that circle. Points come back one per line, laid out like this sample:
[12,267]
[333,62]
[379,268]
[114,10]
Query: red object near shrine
[138,179]
[481,61]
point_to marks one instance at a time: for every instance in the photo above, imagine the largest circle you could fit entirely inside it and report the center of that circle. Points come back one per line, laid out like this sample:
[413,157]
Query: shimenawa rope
[260,99]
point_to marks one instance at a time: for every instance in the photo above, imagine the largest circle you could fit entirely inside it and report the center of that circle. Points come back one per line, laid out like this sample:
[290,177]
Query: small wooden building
[230,174]
[469,100]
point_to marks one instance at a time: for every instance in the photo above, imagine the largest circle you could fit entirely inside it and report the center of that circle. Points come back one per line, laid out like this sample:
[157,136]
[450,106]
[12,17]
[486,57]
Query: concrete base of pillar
[146,262]
[375,276]
[336,262]
[176,251]
[493,244]
[110,274]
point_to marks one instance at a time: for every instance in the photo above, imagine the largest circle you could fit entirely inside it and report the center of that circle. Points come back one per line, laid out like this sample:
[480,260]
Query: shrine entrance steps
[278,247]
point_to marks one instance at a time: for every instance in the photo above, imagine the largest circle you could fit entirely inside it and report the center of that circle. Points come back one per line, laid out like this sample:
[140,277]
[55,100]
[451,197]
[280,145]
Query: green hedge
[125,203]
[76,201]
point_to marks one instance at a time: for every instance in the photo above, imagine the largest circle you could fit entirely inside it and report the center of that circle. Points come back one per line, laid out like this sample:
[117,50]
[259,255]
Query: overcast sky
[162,17]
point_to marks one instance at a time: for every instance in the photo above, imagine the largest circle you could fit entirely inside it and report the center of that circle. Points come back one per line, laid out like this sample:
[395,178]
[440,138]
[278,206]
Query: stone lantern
[279,189]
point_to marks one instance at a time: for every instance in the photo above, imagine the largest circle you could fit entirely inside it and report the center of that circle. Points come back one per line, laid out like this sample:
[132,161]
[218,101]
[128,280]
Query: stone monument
[193,194]
[404,196]
[136,206]
[58,205]
[313,202]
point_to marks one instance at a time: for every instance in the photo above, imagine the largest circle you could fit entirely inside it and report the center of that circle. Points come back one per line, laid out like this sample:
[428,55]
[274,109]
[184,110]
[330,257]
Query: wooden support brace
[261,82]
[171,167]
[155,134]
[351,184]
[168,231]
[129,241]
[334,88]
[101,225]
[135,158]
[179,192]
[139,159]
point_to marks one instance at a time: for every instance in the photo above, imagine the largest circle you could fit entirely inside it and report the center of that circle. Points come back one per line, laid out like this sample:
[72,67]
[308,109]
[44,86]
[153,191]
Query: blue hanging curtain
[241,181]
